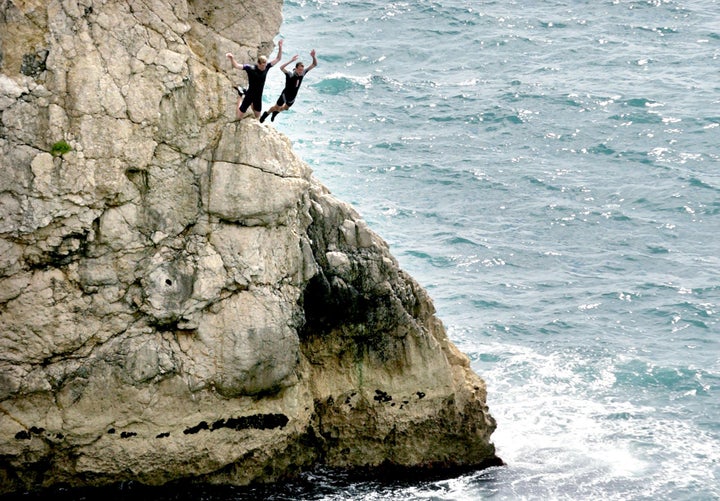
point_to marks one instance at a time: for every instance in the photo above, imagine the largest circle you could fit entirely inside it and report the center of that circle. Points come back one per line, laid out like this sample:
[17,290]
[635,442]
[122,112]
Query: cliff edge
[179,297]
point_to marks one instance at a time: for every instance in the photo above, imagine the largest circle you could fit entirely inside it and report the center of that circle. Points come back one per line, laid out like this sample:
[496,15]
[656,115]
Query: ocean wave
[501,117]
[696,182]
[662,30]
[641,374]
[338,83]
[640,102]
[454,240]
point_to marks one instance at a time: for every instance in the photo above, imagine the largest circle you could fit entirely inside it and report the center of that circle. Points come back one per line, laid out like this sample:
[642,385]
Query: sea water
[549,171]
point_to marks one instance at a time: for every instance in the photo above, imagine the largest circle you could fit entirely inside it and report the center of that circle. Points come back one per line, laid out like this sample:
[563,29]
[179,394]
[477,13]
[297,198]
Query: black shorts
[282,101]
[255,100]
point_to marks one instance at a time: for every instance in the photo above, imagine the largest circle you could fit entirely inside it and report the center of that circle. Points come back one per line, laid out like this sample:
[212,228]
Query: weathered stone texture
[179,297]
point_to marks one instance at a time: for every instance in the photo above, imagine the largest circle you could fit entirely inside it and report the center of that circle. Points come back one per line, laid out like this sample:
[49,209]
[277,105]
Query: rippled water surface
[549,171]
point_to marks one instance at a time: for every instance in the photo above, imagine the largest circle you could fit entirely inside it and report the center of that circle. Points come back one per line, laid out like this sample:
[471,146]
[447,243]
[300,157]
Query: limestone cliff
[179,297]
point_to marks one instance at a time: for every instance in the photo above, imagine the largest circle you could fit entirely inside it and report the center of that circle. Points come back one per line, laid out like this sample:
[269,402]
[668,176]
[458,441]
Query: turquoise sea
[549,170]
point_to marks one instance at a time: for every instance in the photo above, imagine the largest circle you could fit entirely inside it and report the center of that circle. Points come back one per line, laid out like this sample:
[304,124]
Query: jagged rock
[179,297]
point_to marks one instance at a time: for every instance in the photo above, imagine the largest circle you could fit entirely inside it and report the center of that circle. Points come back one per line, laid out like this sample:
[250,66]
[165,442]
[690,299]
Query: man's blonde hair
[262,59]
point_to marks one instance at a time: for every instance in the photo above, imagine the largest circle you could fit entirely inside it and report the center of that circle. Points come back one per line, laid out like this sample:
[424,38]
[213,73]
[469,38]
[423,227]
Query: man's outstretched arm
[279,54]
[314,61]
[294,58]
[232,61]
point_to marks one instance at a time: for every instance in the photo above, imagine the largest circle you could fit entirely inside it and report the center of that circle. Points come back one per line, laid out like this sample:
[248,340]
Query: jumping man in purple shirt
[256,82]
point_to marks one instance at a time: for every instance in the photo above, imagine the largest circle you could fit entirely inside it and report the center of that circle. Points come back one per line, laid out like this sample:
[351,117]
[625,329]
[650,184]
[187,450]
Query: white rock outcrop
[179,297]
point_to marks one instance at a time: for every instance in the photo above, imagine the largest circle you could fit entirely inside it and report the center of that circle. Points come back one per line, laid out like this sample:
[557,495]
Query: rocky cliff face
[179,297]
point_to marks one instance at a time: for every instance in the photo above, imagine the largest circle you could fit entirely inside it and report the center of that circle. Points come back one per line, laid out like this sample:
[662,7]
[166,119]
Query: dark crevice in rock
[381,396]
[39,432]
[34,64]
[139,177]
[368,322]
[255,421]
[331,303]
[73,247]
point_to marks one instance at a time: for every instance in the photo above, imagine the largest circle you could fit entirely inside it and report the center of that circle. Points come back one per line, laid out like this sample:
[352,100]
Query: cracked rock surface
[179,297]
